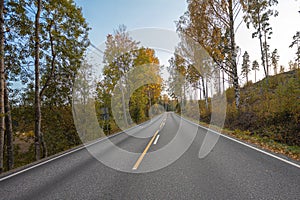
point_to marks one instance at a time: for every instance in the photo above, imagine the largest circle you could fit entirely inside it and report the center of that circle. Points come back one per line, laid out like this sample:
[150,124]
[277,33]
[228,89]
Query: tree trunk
[124,107]
[200,96]
[219,81]
[183,98]
[43,145]
[37,130]
[2,118]
[233,53]
[204,92]
[8,130]
[223,78]
[261,47]
[236,91]
[266,55]
[149,96]
[298,54]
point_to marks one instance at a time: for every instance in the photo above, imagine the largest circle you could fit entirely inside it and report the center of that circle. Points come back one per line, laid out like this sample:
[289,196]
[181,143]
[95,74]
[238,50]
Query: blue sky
[104,16]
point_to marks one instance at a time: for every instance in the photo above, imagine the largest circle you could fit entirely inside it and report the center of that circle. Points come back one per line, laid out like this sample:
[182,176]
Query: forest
[43,50]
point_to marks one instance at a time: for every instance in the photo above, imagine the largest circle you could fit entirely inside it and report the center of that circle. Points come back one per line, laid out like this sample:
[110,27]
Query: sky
[104,16]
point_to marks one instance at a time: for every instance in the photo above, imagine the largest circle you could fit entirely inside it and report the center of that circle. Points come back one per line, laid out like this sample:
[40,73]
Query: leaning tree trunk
[8,130]
[38,119]
[2,79]
[233,53]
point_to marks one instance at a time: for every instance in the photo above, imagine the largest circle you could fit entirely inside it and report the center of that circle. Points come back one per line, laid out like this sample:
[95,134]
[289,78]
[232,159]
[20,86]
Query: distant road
[231,171]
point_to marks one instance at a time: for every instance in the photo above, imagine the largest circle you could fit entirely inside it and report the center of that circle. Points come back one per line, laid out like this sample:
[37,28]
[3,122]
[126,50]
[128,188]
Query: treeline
[42,46]
[206,61]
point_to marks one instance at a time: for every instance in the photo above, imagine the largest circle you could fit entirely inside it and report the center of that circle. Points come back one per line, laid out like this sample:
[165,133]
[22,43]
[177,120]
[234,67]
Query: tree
[281,69]
[146,56]
[197,68]
[49,48]
[118,59]
[296,42]
[166,101]
[8,130]
[126,66]
[292,65]
[212,25]
[53,57]
[177,80]
[255,67]
[246,66]
[2,81]
[275,59]
[60,62]
[16,53]
[145,98]
[37,103]
[258,13]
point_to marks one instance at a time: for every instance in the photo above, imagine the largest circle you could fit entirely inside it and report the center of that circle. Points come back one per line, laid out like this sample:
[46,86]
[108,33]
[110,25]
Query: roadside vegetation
[269,114]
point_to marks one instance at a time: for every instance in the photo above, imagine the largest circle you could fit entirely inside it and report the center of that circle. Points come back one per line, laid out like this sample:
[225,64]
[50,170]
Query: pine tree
[258,13]
[281,69]
[296,42]
[246,66]
[275,59]
[255,67]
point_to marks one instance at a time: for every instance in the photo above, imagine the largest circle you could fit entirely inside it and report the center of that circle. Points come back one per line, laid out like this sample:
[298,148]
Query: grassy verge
[266,143]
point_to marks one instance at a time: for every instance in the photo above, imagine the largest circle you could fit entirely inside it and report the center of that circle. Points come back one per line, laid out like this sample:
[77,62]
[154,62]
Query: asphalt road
[155,161]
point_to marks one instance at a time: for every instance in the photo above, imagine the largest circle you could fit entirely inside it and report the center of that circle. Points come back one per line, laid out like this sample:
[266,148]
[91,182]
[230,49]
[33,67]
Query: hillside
[269,108]
[269,114]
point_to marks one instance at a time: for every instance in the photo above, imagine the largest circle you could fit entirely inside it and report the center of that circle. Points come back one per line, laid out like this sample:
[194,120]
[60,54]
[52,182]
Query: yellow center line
[138,162]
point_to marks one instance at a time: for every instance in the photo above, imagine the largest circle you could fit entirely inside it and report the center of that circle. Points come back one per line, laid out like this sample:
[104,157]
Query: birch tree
[212,24]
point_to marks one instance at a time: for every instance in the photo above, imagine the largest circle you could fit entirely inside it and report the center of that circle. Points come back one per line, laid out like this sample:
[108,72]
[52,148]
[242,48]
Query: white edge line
[64,154]
[155,141]
[247,145]
[47,161]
